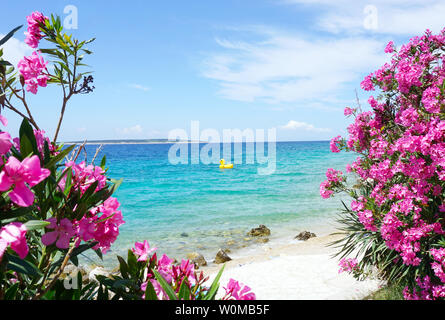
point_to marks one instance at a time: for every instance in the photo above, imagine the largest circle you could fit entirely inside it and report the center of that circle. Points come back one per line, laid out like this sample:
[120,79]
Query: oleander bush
[395,220]
[54,207]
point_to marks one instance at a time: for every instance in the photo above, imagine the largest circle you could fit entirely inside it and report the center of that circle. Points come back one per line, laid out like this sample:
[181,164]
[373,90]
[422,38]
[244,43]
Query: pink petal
[52,223]
[5,181]
[35,173]
[13,231]
[21,248]
[21,195]
[13,166]
[5,142]
[63,242]
[49,238]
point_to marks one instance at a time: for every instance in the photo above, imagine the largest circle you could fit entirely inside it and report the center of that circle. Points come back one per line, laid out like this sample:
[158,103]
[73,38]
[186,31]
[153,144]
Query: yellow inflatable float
[223,164]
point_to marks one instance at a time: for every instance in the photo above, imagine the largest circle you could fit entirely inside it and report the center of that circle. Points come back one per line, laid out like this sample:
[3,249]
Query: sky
[293,65]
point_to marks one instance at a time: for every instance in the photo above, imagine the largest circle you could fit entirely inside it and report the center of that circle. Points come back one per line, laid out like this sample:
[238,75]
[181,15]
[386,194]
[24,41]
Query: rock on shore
[197,258]
[261,231]
[221,257]
[305,235]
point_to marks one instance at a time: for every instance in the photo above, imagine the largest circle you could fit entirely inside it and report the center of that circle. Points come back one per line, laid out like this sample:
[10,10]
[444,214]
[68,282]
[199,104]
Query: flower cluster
[100,225]
[238,291]
[32,69]
[347,265]
[401,144]
[34,34]
[426,290]
[84,176]
[334,179]
[176,274]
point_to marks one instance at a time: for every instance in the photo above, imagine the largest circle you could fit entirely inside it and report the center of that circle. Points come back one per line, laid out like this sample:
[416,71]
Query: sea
[194,206]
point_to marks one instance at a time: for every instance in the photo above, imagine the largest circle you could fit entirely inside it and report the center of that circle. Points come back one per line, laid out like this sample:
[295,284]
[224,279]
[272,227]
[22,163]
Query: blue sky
[158,65]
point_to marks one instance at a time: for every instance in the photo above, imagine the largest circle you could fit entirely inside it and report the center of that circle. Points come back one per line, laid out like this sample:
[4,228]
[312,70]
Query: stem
[71,87]
[9,106]
[29,117]
[58,274]
[62,112]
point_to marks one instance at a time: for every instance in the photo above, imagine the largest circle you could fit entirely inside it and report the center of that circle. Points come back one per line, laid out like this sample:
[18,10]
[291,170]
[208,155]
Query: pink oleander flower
[14,235]
[333,144]
[389,47]
[324,191]
[41,138]
[17,174]
[34,34]
[185,269]
[347,265]
[165,268]
[62,234]
[143,250]
[85,175]
[101,224]
[5,142]
[31,68]
[238,291]
[348,111]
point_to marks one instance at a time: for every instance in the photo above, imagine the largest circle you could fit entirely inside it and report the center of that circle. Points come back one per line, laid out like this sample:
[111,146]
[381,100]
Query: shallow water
[197,207]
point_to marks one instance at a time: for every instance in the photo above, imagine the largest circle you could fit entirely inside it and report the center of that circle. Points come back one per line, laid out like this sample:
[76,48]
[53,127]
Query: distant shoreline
[111,142]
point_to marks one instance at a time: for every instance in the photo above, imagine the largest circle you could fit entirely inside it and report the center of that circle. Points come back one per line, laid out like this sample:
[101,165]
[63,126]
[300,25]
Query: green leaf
[59,156]
[68,181]
[150,293]
[164,284]
[36,224]
[22,266]
[116,185]
[9,35]
[132,263]
[28,143]
[11,214]
[123,267]
[102,163]
[214,286]
[99,253]
[184,290]
[11,292]
[88,192]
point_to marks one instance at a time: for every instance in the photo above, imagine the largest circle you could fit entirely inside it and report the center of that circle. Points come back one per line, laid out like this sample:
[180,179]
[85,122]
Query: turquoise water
[196,207]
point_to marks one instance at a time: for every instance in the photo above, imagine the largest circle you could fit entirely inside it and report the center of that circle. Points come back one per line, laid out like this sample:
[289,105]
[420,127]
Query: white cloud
[297,125]
[139,87]
[284,67]
[395,17]
[134,130]
[14,50]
